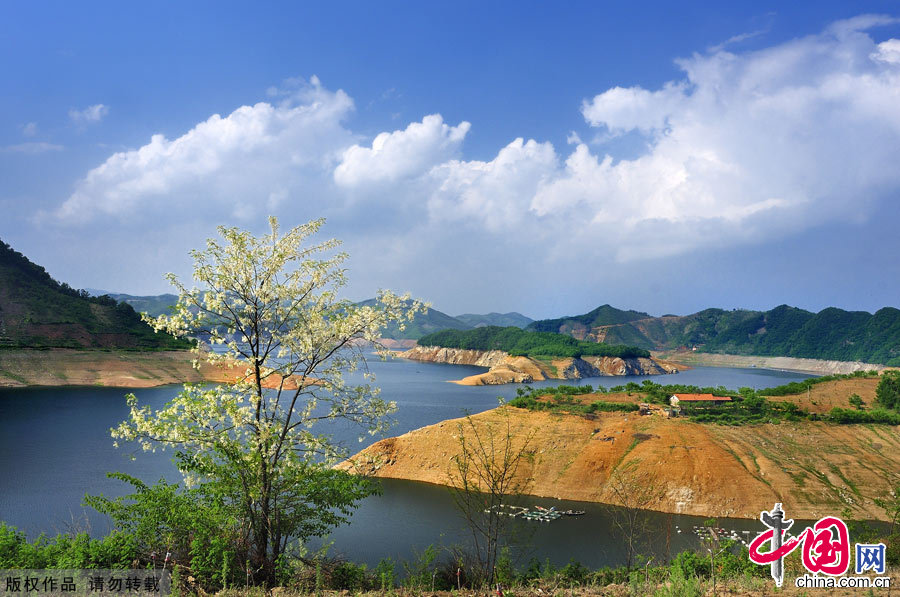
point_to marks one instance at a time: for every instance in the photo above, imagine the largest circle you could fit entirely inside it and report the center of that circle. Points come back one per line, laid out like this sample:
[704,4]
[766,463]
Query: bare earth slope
[504,368]
[132,369]
[707,470]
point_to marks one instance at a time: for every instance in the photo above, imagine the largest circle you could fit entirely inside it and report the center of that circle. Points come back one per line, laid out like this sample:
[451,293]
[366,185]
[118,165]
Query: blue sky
[484,156]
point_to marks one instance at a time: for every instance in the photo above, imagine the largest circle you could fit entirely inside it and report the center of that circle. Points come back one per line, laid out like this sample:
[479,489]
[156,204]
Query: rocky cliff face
[504,368]
[455,356]
[617,366]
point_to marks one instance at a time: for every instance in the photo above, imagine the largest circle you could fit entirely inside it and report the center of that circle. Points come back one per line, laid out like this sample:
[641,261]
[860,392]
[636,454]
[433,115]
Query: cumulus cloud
[90,115]
[244,163]
[743,148]
[401,154]
[495,193]
[30,129]
[621,109]
[887,51]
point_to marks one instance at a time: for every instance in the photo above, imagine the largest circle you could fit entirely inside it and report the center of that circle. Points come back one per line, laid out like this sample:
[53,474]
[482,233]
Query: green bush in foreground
[198,528]
[687,571]
[115,551]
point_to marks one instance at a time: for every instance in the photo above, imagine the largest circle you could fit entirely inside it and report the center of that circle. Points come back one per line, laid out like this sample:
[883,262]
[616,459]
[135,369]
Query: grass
[13,376]
[837,471]
[548,362]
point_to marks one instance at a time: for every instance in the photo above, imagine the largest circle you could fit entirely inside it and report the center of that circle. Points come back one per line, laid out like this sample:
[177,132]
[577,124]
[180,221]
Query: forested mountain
[519,342]
[580,325]
[832,333]
[36,311]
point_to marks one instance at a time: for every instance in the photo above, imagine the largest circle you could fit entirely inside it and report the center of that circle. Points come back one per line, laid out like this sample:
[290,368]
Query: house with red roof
[698,399]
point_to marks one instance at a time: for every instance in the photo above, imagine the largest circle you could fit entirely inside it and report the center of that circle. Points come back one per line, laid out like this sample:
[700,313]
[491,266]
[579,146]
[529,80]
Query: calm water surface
[55,447]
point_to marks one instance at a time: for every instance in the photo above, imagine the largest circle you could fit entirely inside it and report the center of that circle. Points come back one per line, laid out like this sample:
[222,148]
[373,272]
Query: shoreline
[792,364]
[68,367]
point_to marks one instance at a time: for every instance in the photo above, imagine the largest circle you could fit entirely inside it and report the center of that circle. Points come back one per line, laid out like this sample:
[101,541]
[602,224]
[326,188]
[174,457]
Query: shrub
[844,416]
[888,391]
[350,577]
[115,551]
[385,574]
[689,564]
[197,528]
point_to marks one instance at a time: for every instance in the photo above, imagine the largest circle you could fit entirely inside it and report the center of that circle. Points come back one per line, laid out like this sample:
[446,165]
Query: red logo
[826,545]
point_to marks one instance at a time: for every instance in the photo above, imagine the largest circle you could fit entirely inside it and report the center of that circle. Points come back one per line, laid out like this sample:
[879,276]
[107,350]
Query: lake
[55,447]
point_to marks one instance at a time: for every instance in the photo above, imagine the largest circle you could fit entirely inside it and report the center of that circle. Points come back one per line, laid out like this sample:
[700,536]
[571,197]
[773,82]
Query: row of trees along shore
[746,405]
[519,342]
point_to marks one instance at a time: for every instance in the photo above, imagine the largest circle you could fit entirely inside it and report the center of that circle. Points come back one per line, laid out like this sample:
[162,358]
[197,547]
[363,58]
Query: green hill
[36,311]
[499,319]
[832,334]
[519,342]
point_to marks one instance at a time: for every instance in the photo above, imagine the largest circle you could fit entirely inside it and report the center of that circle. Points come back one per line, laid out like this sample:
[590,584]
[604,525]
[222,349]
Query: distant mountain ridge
[36,311]
[153,306]
[832,334]
[601,316]
[499,319]
[424,323]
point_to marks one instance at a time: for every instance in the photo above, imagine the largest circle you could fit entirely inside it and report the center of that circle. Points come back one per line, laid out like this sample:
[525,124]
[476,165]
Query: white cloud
[29,130]
[745,148]
[401,154]
[888,51]
[496,193]
[90,115]
[243,163]
[621,109]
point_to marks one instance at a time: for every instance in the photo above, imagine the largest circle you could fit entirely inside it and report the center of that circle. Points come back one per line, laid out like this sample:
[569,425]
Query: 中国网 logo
[825,550]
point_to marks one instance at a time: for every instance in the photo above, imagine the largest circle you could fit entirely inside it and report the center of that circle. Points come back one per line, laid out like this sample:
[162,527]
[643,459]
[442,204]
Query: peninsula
[792,448]
[513,355]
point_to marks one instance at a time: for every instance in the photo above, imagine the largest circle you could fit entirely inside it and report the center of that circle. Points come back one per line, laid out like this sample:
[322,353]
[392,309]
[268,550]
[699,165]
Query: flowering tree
[269,308]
